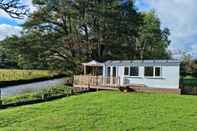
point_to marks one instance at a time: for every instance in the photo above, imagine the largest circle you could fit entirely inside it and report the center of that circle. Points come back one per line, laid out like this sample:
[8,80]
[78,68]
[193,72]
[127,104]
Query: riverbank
[16,90]
[5,84]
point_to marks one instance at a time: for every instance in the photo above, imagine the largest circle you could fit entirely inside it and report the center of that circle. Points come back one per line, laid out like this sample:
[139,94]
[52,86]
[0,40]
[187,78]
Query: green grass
[12,75]
[106,111]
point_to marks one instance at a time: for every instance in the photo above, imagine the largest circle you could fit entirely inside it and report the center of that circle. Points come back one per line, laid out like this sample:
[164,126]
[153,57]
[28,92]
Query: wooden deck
[95,82]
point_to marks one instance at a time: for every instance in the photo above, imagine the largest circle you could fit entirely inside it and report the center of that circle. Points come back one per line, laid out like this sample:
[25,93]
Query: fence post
[44,96]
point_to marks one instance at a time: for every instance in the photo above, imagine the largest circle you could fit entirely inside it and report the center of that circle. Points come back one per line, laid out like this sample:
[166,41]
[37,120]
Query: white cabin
[150,73]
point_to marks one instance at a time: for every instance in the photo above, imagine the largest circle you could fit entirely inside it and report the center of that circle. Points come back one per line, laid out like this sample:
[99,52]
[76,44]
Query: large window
[152,71]
[131,71]
[134,71]
[149,71]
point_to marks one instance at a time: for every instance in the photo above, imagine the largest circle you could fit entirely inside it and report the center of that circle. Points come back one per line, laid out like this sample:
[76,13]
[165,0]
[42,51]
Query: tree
[187,64]
[65,33]
[14,8]
[152,41]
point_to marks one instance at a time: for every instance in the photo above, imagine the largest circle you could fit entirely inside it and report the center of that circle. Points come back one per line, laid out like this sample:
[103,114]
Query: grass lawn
[106,111]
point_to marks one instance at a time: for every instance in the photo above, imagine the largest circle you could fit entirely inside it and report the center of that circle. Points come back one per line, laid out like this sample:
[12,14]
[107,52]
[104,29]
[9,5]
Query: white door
[111,75]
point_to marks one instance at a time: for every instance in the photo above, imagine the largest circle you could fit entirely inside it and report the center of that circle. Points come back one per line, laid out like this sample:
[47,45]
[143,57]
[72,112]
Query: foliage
[189,82]
[14,75]
[152,42]
[62,34]
[105,111]
[188,65]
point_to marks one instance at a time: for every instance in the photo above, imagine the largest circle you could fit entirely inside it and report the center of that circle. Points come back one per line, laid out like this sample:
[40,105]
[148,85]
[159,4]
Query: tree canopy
[63,33]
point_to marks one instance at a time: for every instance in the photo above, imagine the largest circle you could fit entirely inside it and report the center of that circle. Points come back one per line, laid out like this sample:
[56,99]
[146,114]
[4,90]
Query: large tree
[64,33]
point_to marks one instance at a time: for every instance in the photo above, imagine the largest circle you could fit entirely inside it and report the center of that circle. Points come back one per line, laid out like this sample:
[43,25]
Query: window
[157,71]
[134,71]
[126,71]
[149,71]
[152,71]
[131,71]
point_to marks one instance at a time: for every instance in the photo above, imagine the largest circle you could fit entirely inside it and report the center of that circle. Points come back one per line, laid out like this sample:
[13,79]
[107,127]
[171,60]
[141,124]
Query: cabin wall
[169,79]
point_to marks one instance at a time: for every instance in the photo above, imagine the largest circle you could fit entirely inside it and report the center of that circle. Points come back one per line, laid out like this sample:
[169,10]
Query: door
[111,75]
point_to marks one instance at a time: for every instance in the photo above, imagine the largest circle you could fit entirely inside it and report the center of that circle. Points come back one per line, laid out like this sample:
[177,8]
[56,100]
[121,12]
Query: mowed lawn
[106,111]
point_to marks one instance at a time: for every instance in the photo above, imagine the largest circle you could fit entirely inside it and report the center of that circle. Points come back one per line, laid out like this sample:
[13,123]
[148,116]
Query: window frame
[154,72]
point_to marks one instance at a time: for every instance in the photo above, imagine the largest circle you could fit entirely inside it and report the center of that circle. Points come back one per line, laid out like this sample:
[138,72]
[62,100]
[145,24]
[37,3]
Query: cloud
[8,30]
[180,17]
[23,2]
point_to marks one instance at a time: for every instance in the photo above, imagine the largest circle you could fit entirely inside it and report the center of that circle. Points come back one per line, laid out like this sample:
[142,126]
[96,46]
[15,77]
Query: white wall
[169,78]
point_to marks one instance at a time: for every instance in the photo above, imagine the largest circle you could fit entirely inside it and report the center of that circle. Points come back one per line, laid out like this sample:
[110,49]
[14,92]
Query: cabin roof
[144,62]
[93,63]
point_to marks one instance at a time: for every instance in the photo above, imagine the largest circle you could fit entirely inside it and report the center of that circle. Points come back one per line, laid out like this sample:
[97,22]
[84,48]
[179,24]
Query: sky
[178,15]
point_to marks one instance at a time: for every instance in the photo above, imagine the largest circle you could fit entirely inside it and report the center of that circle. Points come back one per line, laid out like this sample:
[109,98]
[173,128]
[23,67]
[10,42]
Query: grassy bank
[29,95]
[104,111]
[15,75]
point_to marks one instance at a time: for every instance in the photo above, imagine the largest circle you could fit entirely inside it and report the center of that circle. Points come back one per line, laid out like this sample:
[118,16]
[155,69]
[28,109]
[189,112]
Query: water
[33,87]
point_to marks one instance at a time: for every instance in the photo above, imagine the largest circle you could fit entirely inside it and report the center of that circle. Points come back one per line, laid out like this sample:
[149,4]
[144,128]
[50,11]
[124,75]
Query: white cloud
[181,18]
[23,2]
[8,30]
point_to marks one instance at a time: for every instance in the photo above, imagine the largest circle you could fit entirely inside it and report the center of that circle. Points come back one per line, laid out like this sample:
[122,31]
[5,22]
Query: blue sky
[178,15]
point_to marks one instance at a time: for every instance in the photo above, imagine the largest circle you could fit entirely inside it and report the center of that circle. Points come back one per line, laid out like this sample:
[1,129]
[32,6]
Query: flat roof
[143,62]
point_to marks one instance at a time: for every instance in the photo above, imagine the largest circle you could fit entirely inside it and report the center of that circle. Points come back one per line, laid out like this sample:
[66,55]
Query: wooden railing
[85,80]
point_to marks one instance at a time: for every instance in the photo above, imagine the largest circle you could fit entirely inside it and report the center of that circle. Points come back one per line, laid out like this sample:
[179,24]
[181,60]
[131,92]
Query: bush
[189,81]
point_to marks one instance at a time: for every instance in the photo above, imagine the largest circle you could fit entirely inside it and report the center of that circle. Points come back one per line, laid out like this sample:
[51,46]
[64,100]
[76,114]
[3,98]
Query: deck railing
[102,81]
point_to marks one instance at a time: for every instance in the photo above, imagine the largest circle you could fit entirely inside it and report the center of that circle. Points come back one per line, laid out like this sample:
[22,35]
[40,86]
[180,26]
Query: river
[32,87]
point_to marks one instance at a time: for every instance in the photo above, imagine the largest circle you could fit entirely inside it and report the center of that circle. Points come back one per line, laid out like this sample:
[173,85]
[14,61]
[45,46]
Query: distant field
[105,111]
[12,75]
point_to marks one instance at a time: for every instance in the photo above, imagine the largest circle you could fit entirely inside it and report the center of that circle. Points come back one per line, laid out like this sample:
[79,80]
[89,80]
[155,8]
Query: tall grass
[12,75]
